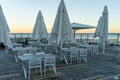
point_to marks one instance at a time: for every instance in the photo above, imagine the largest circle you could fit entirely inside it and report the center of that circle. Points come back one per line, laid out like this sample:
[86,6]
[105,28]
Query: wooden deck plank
[93,77]
[48,76]
[98,67]
[9,75]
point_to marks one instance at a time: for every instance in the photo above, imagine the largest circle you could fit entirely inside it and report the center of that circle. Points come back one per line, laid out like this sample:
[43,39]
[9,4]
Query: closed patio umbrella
[39,31]
[98,29]
[61,29]
[105,24]
[4,30]
[102,28]
[104,34]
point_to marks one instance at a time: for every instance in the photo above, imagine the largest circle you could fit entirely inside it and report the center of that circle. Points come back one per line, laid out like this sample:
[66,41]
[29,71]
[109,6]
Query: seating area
[35,63]
[60,51]
[101,67]
[46,59]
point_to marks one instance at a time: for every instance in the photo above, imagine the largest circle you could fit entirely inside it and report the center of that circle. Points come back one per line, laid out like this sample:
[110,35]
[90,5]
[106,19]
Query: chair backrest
[72,47]
[35,62]
[38,53]
[49,49]
[74,53]
[17,45]
[49,59]
[89,49]
[33,44]
[40,49]
[32,50]
[6,49]
[27,54]
[95,47]
[83,52]
[21,52]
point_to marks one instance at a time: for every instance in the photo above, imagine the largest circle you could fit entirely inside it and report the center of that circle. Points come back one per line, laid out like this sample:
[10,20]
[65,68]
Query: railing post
[117,38]
[15,36]
[28,35]
[87,37]
[81,37]
[74,33]
[21,35]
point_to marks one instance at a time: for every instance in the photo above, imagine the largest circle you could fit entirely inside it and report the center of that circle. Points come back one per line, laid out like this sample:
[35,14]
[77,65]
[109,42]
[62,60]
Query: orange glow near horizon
[49,29]
[28,27]
[21,29]
[25,29]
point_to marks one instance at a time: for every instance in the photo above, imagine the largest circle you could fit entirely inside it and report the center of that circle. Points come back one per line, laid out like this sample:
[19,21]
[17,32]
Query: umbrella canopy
[4,30]
[104,34]
[98,29]
[39,31]
[102,28]
[61,29]
[76,26]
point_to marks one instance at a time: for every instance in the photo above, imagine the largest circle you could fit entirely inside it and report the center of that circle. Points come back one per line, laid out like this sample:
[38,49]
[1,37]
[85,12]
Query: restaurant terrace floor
[98,67]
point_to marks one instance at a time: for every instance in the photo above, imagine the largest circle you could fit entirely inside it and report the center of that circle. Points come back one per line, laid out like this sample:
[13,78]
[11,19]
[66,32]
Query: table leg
[24,70]
[65,58]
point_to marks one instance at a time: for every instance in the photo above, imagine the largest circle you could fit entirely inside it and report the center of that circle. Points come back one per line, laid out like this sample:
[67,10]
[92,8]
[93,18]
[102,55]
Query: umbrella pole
[74,33]
[104,48]
[60,45]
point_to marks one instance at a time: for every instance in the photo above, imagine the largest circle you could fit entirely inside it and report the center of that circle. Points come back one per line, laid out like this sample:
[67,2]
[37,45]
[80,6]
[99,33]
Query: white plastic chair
[17,45]
[28,54]
[48,49]
[74,56]
[7,49]
[34,64]
[39,53]
[20,52]
[83,55]
[49,62]
[95,50]
[32,50]
[33,44]
[40,49]
[89,50]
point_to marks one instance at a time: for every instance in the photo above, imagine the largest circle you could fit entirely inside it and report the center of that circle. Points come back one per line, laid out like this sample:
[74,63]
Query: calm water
[113,36]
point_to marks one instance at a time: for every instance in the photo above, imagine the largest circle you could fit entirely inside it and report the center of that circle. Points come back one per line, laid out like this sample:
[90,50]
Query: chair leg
[36,70]
[54,68]
[78,60]
[85,57]
[29,74]
[44,70]
[16,59]
[41,71]
[70,60]
[97,52]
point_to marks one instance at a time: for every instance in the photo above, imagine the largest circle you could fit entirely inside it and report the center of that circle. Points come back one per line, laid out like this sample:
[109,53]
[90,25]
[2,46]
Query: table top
[30,57]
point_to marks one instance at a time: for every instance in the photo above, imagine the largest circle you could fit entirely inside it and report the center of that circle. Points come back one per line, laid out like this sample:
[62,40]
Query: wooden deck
[99,67]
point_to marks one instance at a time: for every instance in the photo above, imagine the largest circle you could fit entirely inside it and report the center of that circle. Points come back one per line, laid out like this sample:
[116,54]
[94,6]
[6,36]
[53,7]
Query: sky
[21,14]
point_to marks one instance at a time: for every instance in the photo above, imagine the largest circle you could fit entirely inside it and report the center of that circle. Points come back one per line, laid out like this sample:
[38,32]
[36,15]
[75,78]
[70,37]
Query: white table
[65,51]
[25,58]
[20,49]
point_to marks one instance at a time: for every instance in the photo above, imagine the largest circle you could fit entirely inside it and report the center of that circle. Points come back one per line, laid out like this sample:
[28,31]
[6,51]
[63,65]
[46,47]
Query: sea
[112,36]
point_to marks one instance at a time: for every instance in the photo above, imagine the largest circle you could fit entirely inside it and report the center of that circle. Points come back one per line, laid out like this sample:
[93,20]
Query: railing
[20,35]
[86,37]
[112,37]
